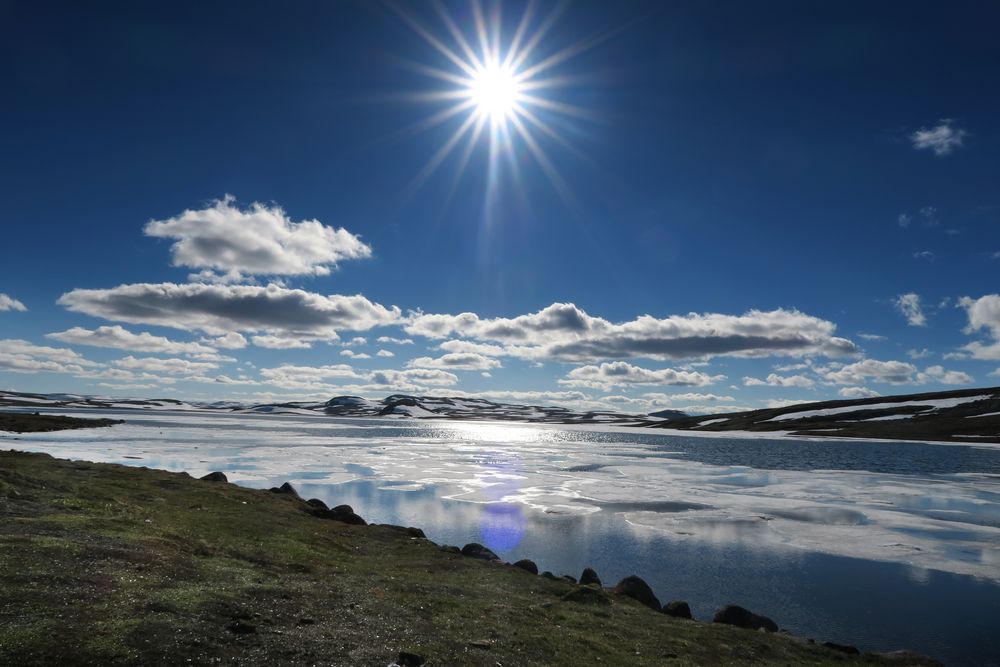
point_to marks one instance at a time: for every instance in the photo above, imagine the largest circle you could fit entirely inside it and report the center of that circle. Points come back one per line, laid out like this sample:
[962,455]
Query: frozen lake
[881,545]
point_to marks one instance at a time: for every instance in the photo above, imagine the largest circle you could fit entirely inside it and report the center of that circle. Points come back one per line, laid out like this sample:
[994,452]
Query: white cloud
[484,349]
[317,379]
[926,255]
[21,356]
[231,341]
[775,380]
[674,399]
[357,340]
[386,340]
[858,392]
[940,374]
[355,355]
[119,338]
[565,332]
[983,314]
[220,309]
[904,220]
[10,303]
[943,138]
[280,343]
[384,353]
[891,372]
[622,374]
[871,336]
[919,354]
[261,240]
[157,365]
[417,375]
[460,361]
[909,305]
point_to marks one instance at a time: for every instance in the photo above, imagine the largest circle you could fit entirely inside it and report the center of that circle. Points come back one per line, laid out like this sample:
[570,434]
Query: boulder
[409,530]
[285,489]
[549,575]
[732,614]
[449,548]
[527,565]
[405,659]
[475,550]
[587,595]
[339,514]
[677,609]
[215,477]
[637,589]
[343,509]
[589,577]
[317,503]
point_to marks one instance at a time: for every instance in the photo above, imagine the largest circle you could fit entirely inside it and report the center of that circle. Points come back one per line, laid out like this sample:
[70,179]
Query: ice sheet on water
[947,522]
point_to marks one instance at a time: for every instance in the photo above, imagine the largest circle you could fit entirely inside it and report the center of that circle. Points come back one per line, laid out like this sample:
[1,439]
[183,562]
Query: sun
[496,92]
[499,91]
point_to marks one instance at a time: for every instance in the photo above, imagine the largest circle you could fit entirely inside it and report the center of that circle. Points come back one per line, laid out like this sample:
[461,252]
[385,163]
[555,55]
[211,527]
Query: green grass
[105,564]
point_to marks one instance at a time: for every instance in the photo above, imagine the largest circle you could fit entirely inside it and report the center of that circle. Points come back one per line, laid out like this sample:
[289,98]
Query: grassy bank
[106,564]
[24,422]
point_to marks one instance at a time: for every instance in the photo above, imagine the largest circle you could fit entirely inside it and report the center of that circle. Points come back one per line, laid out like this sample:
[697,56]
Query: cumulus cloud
[460,361]
[21,356]
[919,354]
[943,138]
[260,240]
[231,341]
[329,379]
[623,374]
[775,380]
[220,309]
[387,340]
[280,343]
[909,305]
[10,303]
[871,336]
[385,353]
[355,355]
[891,372]
[944,376]
[565,332]
[120,338]
[984,315]
[157,365]
[858,392]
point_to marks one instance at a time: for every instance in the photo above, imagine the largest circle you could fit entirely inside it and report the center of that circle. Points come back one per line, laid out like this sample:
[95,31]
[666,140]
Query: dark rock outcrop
[568,577]
[588,577]
[449,548]
[342,513]
[637,589]
[405,659]
[317,503]
[732,614]
[677,609]
[527,565]
[549,575]
[215,477]
[475,550]
[409,530]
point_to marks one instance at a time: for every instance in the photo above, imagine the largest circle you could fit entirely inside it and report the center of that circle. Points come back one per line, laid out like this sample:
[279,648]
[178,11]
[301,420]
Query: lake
[877,544]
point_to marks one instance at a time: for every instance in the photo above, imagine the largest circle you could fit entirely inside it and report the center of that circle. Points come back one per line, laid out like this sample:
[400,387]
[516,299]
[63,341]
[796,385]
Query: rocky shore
[128,565]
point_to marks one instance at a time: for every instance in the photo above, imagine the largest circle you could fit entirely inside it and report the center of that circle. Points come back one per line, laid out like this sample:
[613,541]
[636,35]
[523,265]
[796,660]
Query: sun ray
[438,158]
[457,35]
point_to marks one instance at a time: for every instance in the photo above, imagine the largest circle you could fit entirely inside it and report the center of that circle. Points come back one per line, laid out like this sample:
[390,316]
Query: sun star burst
[497,91]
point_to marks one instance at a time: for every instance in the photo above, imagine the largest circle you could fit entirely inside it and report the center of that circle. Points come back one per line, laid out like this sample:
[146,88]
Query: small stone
[215,477]
[405,659]
[732,614]
[637,589]
[677,609]
[475,550]
[527,565]
[240,628]
[843,648]
[589,577]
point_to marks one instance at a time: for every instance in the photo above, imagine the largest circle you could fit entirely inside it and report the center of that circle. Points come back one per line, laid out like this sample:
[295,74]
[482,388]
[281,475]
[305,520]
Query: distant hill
[965,415]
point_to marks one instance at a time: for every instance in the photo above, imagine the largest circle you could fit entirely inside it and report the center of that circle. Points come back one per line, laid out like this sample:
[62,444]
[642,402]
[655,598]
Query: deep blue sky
[726,159]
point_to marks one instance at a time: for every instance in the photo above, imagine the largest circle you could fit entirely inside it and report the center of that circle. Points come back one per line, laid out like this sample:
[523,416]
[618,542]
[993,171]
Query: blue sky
[710,206]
